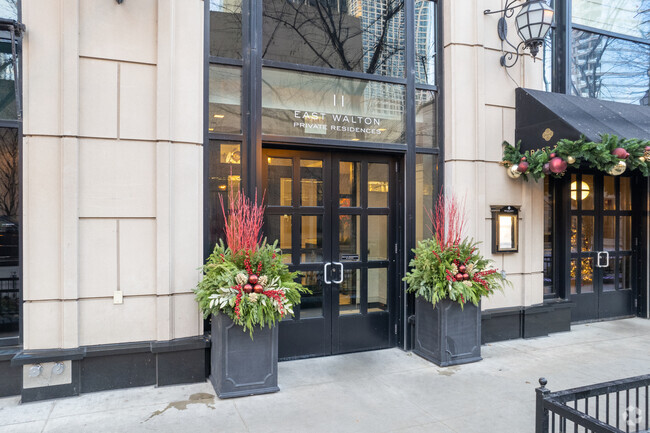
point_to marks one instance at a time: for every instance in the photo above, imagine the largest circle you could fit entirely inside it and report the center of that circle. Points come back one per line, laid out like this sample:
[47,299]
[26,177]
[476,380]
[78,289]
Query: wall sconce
[533,22]
[505,229]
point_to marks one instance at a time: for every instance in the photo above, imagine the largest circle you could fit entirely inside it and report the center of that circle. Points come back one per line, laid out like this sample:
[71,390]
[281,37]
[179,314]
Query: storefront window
[425,42]
[9,234]
[224,176]
[426,119]
[302,104]
[359,36]
[627,17]
[426,191]
[225,99]
[549,204]
[226,28]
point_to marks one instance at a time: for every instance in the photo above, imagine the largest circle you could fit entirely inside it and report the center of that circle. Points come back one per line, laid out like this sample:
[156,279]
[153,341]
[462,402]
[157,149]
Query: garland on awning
[611,155]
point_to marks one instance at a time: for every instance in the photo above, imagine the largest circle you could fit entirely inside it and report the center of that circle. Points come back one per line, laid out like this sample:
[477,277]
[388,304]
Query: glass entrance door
[333,214]
[601,251]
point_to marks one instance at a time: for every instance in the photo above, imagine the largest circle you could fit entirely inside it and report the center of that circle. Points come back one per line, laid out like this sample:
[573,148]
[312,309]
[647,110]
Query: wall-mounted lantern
[505,229]
[533,22]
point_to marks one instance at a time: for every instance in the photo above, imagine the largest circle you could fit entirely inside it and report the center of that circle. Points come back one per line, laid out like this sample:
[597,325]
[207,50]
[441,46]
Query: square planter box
[241,366]
[447,335]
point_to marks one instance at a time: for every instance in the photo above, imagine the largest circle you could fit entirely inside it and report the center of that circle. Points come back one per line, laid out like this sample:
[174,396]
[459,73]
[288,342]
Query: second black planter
[447,335]
[241,366]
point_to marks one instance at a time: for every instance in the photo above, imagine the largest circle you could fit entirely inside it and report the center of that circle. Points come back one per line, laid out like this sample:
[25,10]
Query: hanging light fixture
[533,23]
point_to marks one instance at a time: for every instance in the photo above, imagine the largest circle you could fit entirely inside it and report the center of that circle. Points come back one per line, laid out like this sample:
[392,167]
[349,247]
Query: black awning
[544,118]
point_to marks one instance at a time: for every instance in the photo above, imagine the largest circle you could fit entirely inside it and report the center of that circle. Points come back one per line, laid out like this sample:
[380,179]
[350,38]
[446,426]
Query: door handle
[606,259]
[327,281]
[599,263]
[340,280]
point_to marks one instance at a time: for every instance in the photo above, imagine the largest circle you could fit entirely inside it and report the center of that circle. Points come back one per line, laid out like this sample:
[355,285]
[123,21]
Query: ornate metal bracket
[508,59]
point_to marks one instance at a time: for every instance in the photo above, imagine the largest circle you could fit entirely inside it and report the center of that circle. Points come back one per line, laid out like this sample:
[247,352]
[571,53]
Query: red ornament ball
[258,288]
[546,169]
[647,148]
[552,155]
[253,279]
[620,153]
[522,167]
[523,158]
[465,277]
[459,277]
[462,269]
[248,288]
[557,165]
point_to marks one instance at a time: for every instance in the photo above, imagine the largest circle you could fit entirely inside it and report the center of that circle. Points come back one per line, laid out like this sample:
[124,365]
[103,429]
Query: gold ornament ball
[570,160]
[642,158]
[513,171]
[618,169]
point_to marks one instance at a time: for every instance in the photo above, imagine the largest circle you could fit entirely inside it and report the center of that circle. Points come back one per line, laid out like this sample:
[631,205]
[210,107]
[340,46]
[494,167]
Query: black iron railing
[611,407]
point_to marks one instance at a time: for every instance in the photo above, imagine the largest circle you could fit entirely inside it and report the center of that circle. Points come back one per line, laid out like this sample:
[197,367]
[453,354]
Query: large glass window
[627,17]
[426,119]
[225,99]
[352,35]
[549,205]
[226,28]
[425,42]
[224,175]
[426,192]
[301,104]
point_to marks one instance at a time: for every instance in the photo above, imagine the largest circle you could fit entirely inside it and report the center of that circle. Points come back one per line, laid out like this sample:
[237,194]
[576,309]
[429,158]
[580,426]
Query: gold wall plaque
[548,134]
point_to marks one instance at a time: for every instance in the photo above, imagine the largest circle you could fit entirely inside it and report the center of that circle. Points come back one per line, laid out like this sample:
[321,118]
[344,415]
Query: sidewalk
[381,391]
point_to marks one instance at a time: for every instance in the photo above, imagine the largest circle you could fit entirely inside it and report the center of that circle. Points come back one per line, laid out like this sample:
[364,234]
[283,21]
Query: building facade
[131,118]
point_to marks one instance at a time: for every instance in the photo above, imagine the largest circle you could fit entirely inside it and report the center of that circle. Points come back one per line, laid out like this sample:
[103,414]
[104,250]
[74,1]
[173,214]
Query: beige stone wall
[479,116]
[113,109]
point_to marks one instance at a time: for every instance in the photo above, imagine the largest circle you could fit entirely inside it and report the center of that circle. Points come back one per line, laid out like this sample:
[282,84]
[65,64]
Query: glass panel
[426,119]
[224,174]
[547,59]
[574,234]
[609,68]
[587,239]
[574,273]
[349,184]
[9,9]
[280,181]
[7,87]
[225,99]
[311,305]
[377,237]
[9,233]
[548,237]
[426,181]
[609,193]
[630,17]
[425,42]
[586,191]
[626,193]
[278,227]
[609,275]
[587,273]
[378,185]
[311,182]
[625,234]
[349,237]
[301,104]
[226,28]
[625,279]
[609,233]
[311,239]
[574,192]
[377,290]
[350,292]
[353,35]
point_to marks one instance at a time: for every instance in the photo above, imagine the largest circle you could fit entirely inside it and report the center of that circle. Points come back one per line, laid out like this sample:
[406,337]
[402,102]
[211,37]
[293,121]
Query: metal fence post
[541,413]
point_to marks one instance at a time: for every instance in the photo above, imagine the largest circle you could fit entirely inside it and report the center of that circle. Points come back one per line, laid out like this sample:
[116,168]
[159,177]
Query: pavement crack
[48,417]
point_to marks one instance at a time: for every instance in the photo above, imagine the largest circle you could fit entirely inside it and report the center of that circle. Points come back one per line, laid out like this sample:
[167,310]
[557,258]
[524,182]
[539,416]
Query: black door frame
[332,322]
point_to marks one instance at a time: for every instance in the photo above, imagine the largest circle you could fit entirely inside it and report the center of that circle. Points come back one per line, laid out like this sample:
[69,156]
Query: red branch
[448,221]
[244,220]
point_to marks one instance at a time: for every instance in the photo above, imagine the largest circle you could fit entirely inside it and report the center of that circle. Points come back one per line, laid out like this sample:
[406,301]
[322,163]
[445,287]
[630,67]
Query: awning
[544,118]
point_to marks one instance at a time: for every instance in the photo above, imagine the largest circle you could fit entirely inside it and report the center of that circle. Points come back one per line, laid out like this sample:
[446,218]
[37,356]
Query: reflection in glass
[625,278]
[224,175]
[9,233]
[377,290]
[349,184]
[586,191]
[547,59]
[548,237]
[311,305]
[378,185]
[574,199]
[278,227]
[574,234]
[7,86]
[311,239]
[302,104]
[629,17]
[587,239]
[625,234]
[426,186]
[226,28]
[609,233]
[280,181]
[425,41]
[349,237]
[609,193]
[609,275]
[377,237]
[225,99]
[360,36]
[626,193]
[574,274]
[587,274]
[350,292]
[426,119]
[609,68]
[311,182]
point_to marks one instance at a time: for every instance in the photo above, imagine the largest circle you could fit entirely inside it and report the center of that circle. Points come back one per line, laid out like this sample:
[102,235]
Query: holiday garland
[611,155]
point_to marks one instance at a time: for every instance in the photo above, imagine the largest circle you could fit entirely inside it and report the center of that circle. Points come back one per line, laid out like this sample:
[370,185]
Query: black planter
[447,335]
[241,366]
